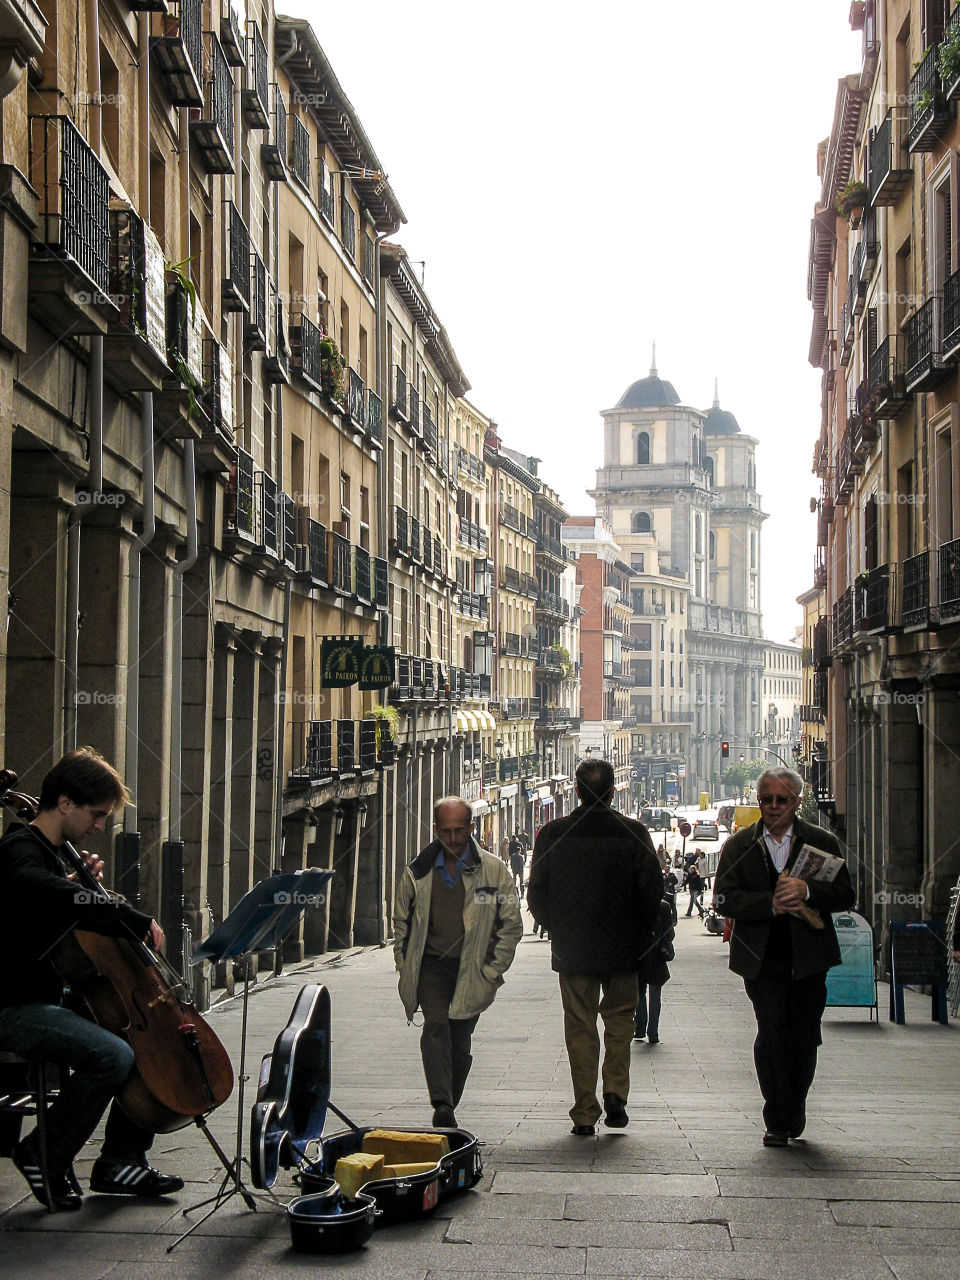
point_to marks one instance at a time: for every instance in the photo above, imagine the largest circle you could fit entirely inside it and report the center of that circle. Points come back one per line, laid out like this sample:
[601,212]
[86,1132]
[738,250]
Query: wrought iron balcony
[414,419]
[948,579]
[869,246]
[381,584]
[429,430]
[513,645]
[327,207]
[871,599]
[368,267]
[951,34]
[276,361]
[300,152]
[268,534]
[888,386]
[362,581]
[401,536]
[231,34]
[346,746]
[273,152]
[341,575]
[305,349]
[368,745]
[312,549]
[374,418]
[211,135]
[926,367]
[889,161]
[399,393]
[355,391]
[255,330]
[236,281]
[312,753]
[550,602]
[550,546]
[529,586]
[348,228]
[216,401]
[468,465]
[915,580]
[255,95]
[74,191]
[178,54]
[510,516]
[843,619]
[950,341]
[135,349]
[930,112]
[510,579]
[415,551]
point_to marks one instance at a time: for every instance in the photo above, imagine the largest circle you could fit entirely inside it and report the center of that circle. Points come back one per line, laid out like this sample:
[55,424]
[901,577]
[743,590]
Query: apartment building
[885,289]
[813,685]
[780,700]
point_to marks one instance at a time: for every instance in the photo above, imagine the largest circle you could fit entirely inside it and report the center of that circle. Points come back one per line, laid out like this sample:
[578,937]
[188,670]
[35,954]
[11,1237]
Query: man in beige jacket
[456,926]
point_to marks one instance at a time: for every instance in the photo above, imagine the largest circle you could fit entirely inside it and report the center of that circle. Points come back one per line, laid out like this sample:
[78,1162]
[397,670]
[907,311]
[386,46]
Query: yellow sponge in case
[352,1172]
[406,1148]
[408,1170]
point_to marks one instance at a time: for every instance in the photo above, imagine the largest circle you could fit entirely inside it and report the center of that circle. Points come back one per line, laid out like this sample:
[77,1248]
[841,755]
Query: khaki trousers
[580,994]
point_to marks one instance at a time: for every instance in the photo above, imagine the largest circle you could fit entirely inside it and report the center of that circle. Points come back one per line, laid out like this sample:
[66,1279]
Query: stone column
[903,743]
[243,773]
[219,812]
[941,715]
[196,746]
[321,853]
[266,855]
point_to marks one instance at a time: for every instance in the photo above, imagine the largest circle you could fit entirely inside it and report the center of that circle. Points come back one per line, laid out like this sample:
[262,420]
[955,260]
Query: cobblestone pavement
[686,1191]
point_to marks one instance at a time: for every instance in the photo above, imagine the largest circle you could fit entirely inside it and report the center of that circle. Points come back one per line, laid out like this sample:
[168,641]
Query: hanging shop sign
[340,657]
[378,667]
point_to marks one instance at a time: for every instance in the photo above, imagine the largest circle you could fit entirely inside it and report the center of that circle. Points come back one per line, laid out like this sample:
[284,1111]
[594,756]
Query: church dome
[720,422]
[650,392]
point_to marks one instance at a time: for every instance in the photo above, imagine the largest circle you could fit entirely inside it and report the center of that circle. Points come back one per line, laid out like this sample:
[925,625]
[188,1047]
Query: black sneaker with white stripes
[120,1178]
[64,1189]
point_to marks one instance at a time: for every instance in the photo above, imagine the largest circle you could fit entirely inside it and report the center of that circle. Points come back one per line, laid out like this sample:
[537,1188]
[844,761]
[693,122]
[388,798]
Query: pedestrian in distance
[653,976]
[693,880]
[518,861]
[40,905]
[595,884]
[670,884]
[456,924]
[781,951]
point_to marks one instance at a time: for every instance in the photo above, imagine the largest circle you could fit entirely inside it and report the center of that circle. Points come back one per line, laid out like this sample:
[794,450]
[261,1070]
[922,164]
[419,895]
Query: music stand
[257,923]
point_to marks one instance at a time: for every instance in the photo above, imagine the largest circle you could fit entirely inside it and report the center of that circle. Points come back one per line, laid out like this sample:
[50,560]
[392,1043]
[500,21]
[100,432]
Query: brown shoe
[773,1139]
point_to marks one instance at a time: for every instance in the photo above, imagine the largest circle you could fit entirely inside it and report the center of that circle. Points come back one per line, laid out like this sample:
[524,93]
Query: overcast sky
[583,179]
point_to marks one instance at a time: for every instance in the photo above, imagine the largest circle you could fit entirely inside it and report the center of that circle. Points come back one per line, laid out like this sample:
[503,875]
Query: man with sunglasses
[776,948]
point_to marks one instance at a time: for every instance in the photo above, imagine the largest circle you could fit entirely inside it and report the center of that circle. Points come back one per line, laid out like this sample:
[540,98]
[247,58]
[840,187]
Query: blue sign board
[853,983]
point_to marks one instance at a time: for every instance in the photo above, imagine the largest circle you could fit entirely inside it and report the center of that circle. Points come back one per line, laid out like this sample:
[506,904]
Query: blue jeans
[99,1064]
[643,1025]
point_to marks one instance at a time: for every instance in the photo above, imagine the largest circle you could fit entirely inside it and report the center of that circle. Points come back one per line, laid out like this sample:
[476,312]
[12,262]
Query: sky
[580,181]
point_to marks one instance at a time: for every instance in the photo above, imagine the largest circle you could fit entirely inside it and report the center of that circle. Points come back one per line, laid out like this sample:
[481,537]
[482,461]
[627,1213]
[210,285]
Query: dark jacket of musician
[38,906]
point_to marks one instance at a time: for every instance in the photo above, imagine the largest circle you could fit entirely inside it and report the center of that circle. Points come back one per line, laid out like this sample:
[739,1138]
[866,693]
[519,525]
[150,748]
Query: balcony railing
[471,535]
[843,619]
[355,397]
[341,577]
[300,152]
[948,579]
[951,33]
[926,367]
[346,746]
[889,161]
[513,645]
[368,745]
[374,417]
[216,400]
[305,343]
[236,281]
[255,96]
[550,602]
[312,548]
[429,430]
[312,753]
[268,524]
[212,133]
[399,393]
[414,419]
[872,600]
[510,516]
[273,152]
[468,465]
[178,54]
[929,110]
[231,35]
[950,341]
[369,259]
[74,191]
[888,387]
[276,362]
[915,578]
[401,536]
[361,560]
[550,546]
[348,228]
[241,522]
[255,330]
[381,584]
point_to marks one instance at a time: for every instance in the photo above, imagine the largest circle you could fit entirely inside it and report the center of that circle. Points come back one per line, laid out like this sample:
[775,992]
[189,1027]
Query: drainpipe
[132,724]
[176,697]
[95,394]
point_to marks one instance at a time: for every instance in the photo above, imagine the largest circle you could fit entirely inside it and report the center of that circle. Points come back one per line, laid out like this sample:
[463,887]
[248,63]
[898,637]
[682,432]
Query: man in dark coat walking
[595,885]
[782,959]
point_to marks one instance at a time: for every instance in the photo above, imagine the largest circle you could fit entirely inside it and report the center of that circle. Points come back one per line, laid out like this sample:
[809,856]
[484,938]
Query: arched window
[643,449]
[713,545]
[708,468]
[641,522]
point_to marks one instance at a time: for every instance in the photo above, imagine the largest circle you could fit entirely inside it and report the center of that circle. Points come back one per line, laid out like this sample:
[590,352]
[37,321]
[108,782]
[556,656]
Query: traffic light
[725,749]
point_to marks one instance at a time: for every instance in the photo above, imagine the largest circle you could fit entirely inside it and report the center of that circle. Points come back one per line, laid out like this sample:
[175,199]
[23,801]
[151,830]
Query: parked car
[657,819]
[705,829]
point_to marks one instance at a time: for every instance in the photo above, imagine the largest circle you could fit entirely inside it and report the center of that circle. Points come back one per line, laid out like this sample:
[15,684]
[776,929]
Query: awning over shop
[544,793]
[467,722]
[546,802]
[479,807]
[508,792]
[485,720]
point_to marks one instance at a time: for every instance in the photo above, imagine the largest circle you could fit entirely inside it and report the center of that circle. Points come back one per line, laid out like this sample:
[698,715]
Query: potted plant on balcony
[948,55]
[332,365]
[851,201]
[388,722]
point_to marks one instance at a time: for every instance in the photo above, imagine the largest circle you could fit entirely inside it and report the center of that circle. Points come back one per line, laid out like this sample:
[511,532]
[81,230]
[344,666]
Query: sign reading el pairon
[378,667]
[340,656]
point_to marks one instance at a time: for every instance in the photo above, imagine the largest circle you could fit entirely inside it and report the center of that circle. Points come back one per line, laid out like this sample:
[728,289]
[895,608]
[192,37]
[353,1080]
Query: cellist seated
[41,904]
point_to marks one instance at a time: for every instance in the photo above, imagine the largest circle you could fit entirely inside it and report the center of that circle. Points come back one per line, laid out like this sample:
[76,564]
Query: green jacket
[491,924]
[741,891]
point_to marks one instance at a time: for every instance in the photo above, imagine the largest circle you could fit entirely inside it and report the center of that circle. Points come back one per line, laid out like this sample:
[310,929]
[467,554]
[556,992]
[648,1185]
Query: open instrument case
[289,1116]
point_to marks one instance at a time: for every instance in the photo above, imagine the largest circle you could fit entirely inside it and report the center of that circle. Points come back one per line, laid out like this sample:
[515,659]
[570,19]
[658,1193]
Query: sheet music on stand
[258,922]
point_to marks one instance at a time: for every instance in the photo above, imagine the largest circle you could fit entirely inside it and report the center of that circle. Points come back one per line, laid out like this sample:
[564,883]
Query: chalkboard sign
[919,953]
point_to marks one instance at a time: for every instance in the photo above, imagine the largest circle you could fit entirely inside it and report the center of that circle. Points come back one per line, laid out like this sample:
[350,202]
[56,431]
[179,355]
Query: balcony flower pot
[948,55]
[851,201]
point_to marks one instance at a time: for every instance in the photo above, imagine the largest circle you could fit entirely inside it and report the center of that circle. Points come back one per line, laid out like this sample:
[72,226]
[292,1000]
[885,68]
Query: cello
[181,1070]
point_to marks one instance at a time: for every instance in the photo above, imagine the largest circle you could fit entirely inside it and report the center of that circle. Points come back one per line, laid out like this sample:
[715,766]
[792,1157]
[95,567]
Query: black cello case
[291,1109]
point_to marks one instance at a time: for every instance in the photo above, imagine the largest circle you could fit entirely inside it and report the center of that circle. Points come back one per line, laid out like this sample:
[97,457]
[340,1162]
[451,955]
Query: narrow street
[686,1191]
